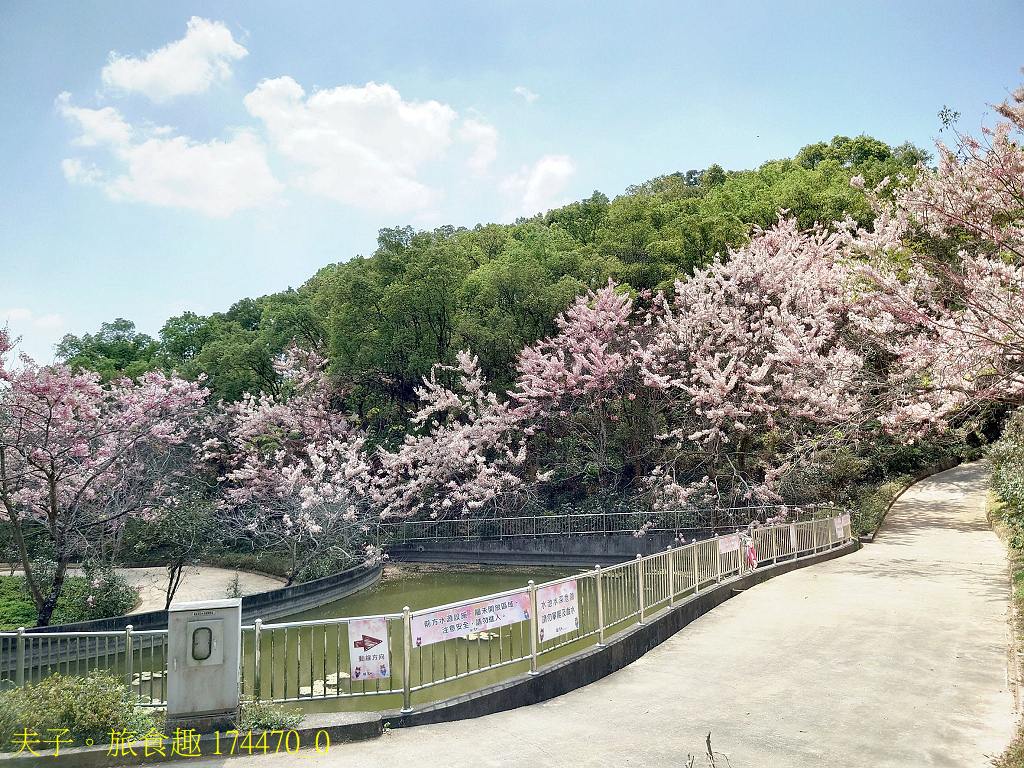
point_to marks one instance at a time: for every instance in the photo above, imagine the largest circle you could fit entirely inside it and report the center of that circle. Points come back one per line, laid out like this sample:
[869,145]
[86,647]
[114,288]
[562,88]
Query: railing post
[406,660]
[671,578]
[534,627]
[794,540]
[718,560]
[696,569]
[20,674]
[129,655]
[640,586]
[257,655]
[600,607]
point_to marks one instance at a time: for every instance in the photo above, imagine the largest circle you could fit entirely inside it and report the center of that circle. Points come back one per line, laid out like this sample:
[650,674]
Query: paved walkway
[199,582]
[892,656]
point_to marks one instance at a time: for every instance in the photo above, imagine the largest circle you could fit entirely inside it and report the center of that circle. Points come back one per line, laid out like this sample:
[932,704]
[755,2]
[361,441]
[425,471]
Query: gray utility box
[203,642]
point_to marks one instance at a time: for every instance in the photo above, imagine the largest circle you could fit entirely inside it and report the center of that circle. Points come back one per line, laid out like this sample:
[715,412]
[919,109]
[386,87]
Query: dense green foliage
[1007,456]
[385,319]
[111,596]
[16,606]
[88,707]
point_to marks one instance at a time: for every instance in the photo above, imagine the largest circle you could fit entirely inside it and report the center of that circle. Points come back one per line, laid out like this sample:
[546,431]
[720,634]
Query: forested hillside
[383,320]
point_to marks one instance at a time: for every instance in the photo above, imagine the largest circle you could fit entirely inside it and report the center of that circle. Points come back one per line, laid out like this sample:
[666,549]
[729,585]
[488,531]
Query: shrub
[16,606]
[1007,456]
[88,707]
[100,594]
[264,716]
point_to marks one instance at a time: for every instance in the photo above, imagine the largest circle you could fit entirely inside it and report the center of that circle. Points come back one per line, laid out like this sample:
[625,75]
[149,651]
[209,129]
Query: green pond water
[428,585]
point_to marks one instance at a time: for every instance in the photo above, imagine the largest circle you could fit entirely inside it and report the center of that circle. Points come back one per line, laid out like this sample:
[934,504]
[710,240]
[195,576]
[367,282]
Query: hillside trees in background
[385,319]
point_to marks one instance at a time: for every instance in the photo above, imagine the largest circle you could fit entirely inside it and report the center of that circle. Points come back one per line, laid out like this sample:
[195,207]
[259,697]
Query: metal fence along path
[438,651]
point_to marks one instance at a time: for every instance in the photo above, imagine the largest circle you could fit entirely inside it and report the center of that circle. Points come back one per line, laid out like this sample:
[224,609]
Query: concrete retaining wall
[585,549]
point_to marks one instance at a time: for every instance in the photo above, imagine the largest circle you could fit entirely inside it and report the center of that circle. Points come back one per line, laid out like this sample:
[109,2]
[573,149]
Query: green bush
[88,707]
[272,563]
[870,501]
[1007,457]
[109,592]
[16,606]
[100,594]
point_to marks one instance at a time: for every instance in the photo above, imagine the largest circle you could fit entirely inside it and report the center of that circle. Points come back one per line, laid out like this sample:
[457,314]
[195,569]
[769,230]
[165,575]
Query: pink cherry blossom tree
[294,469]
[461,455]
[946,260]
[581,395]
[752,354]
[77,457]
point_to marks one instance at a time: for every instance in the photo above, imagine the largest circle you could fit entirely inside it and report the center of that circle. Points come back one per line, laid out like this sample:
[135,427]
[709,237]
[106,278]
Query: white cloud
[77,172]
[36,334]
[215,178]
[187,66]
[526,93]
[17,314]
[19,317]
[359,146]
[49,322]
[485,138]
[538,189]
[99,126]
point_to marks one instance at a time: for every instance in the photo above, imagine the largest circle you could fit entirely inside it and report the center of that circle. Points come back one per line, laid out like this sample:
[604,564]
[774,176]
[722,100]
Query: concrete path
[199,582]
[892,656]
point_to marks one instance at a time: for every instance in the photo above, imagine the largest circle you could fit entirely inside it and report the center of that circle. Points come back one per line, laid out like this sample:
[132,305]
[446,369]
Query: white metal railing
[139,656]
[501,634]
[491,636]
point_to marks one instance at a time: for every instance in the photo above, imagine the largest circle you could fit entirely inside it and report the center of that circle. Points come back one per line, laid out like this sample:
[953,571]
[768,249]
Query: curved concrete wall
[585,549]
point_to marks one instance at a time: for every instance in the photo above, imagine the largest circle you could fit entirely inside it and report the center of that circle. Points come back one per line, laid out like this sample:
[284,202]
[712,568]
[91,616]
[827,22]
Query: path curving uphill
[894,655]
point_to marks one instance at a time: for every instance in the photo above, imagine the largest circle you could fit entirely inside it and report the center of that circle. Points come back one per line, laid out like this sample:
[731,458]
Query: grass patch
[270,563]
[264,716]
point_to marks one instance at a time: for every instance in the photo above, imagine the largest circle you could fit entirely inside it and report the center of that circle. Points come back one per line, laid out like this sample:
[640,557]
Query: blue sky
[160,157]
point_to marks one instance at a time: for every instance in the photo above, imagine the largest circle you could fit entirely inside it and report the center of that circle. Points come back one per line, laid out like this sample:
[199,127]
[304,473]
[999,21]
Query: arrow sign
[366,643]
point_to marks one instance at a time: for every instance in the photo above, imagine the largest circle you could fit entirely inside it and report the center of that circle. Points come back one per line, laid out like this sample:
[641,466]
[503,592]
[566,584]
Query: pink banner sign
[368,649]
[436,627]
[846,519]
[727,544]
[840,532]
[557,610]
[501,611]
